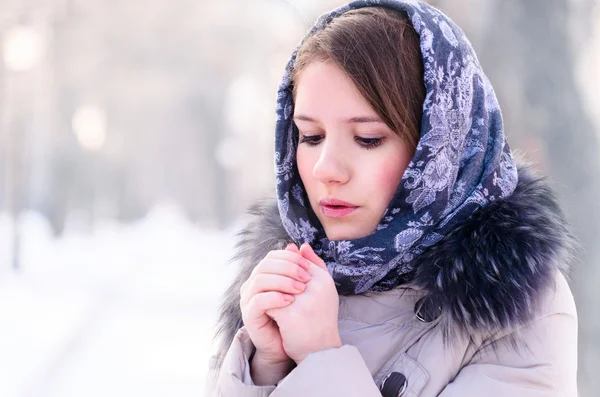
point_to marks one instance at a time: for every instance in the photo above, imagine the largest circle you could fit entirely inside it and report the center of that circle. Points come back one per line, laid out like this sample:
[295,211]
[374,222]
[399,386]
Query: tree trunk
[529,56]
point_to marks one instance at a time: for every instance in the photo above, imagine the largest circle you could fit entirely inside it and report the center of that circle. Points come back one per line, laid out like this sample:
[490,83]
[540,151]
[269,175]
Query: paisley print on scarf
[462,161]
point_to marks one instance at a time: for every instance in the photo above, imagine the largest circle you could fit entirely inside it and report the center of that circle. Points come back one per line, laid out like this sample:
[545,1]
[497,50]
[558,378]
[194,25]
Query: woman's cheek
[303,162]
[386,177]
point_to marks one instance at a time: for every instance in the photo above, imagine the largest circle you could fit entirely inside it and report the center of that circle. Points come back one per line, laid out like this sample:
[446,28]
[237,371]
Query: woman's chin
[343,232]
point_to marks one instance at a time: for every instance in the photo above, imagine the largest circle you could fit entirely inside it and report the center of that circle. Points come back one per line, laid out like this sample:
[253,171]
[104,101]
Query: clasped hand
[310,323]
[290,306]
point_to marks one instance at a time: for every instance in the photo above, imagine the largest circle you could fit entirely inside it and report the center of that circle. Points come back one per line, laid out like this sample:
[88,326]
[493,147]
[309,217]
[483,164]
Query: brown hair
[378,49]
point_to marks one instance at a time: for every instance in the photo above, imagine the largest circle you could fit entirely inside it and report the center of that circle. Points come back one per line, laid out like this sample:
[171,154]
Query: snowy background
[134,134]
[125,310]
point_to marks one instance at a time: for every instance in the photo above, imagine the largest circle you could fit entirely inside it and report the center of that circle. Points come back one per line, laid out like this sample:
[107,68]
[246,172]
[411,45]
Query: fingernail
[298,285]
[303,275]
[288,298]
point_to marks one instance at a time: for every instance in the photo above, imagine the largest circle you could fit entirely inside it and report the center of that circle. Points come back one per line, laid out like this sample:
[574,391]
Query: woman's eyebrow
[352,120]
[364,119]
[304,118]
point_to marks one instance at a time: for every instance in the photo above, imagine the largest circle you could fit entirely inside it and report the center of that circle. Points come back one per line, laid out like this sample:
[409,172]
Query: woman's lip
[337,211]
[335,203]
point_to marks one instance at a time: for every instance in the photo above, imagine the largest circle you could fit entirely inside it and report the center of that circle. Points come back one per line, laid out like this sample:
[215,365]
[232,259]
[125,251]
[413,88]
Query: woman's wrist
[334,343]
[266,373]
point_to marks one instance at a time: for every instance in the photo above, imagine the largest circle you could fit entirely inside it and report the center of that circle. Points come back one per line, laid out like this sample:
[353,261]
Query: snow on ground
[124,310]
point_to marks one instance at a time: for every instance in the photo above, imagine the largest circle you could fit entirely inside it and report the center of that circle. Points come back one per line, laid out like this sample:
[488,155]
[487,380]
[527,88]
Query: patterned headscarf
[462,161]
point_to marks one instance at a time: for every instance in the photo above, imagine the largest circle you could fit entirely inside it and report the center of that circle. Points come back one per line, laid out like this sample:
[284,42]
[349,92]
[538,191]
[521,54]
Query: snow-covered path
[127,310]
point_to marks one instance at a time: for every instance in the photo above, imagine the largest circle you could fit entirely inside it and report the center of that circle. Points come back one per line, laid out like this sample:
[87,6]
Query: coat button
[394,385]
[426,310]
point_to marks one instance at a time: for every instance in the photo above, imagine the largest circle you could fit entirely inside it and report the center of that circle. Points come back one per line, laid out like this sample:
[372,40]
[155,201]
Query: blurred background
[133,135]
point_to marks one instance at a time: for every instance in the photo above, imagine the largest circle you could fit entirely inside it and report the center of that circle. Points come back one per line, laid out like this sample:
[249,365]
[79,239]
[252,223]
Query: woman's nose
[331,165]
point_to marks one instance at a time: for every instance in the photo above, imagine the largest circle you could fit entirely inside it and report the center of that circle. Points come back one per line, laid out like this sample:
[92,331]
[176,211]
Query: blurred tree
[529,54]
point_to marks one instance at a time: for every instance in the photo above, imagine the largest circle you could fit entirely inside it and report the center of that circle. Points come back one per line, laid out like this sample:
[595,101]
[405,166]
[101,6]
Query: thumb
[308,254]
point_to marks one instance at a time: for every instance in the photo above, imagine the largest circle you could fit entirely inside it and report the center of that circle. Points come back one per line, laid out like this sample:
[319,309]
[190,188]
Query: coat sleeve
[330,372]
[543,365]
[233,376]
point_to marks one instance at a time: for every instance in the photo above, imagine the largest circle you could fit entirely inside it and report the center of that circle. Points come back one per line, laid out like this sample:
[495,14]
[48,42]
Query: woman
[407,254]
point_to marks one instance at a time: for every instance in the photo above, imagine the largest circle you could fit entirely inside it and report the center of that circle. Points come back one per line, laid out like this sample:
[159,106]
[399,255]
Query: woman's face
[345,153]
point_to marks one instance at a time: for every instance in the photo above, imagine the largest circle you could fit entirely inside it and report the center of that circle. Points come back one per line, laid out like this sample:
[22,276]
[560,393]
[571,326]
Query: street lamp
[23,48]
[89,125]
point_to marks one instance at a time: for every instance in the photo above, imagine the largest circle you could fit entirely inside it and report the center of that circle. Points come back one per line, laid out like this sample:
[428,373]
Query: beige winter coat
[448,353]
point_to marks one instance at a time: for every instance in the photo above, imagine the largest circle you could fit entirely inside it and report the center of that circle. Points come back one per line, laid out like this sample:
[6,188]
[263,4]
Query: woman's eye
[311,140]
[368,143]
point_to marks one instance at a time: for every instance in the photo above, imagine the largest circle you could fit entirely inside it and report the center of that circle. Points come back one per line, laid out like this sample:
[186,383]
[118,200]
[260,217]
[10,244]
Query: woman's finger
[293,248]
[271,282]
[282,268]
[287,255]
[255,310]
[308,253]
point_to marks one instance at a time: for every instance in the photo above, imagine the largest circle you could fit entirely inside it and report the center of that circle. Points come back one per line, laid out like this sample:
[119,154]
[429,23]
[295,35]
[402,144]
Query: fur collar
[487,275]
